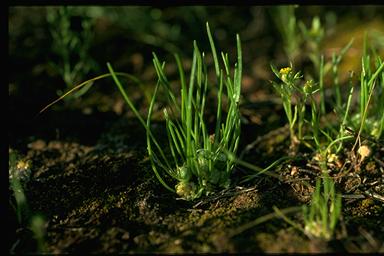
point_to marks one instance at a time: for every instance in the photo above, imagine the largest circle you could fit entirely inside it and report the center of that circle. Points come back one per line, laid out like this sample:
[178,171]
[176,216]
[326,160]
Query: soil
[100,196]
[87,174]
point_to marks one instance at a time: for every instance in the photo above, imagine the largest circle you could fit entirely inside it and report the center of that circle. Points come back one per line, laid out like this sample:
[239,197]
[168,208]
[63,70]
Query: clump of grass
[322,215]
[198,160]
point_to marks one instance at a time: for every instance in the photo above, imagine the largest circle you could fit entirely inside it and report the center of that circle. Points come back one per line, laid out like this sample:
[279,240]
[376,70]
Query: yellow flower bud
[284,72]
[308,86]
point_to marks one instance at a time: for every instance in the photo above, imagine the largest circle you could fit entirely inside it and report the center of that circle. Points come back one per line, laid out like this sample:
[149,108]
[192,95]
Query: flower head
[284,72]
[308,86]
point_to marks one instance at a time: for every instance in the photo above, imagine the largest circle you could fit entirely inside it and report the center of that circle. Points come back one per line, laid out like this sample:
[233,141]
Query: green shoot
[298,98]
[198,157]
[292,90]
[313,37]
[368,84]
[198,160]
[72,47]
[323,213]
[137,114]
[336,59]
[321,85]
[19,172]
[285,21]
[321,217]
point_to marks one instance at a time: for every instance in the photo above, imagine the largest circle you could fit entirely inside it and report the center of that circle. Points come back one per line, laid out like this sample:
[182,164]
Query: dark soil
[104,198]
[89,176]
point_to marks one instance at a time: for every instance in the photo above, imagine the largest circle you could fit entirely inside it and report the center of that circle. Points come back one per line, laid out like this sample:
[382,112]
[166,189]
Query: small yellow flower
[332,158]
[21,165]
[308,86]
[318,157]
[284,72]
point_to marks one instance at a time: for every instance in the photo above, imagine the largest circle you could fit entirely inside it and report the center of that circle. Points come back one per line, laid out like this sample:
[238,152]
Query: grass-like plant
[71,47]
[286,24]
[198,157]
[336,60]
[200,160]
[292,89]
[312,37]
[298,98]
[370,118]
[19,172]
[322,215]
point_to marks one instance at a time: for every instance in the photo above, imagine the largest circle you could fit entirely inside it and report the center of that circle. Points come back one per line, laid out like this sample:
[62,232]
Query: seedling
[19,172]
[71,47]
[321,217]
[285,21]
[198,158]
[371,116]
[323,213]
[313,37]
[291,89]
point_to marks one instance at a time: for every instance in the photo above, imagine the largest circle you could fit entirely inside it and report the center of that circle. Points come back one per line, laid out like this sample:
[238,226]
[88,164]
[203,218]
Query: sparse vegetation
[108,178]
[200,163]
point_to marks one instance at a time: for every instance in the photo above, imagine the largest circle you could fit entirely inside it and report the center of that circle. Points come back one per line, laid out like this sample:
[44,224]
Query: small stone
[37,145]
[125,236]
[294,170]
[364,151]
